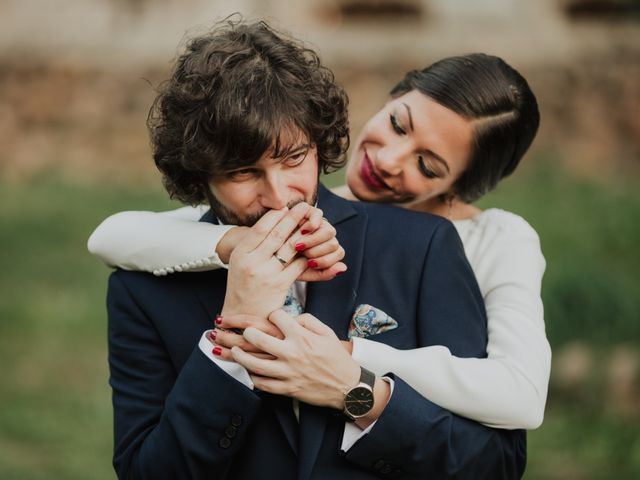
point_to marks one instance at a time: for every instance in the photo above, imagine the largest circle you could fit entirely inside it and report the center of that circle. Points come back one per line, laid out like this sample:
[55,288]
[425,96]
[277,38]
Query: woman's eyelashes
[423,165]
[396,126]
[426,169]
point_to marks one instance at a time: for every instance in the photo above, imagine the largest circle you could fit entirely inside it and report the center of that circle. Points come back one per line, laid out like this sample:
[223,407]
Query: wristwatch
[358,401]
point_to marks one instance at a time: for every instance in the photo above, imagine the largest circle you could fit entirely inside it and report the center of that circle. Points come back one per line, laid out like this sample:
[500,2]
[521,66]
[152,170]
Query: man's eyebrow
[409,114]
[302,146]
[295,149]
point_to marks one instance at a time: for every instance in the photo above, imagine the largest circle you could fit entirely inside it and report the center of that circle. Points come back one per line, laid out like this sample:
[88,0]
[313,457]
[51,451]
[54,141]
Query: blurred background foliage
[73,104]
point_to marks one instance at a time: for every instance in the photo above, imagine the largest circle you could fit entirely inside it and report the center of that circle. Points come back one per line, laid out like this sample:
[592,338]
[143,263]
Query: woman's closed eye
[396,126]
[425,168]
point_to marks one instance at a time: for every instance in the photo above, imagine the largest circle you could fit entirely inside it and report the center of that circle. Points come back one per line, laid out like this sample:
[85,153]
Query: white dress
[508,389]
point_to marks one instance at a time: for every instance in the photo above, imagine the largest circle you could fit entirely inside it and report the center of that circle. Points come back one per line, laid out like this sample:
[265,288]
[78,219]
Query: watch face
[359,401]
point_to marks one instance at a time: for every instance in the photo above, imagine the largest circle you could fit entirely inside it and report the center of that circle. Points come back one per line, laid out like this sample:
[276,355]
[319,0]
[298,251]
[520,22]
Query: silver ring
[283,262]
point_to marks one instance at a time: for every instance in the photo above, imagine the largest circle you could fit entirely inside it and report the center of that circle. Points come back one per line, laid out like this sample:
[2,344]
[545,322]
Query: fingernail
[312,264]
[213,334]
[304,232]
[217,351]
[340,272]
[300,246]
[218,319]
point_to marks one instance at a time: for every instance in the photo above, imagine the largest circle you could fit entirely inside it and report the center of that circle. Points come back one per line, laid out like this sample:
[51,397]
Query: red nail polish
[300,246]
[217,351]
[340,272]
[218,319]
[213,334]
[312,264]
[304,232]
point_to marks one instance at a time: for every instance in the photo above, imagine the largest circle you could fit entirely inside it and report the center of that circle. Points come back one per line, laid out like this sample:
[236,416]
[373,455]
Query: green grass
[55,411]
[576,443]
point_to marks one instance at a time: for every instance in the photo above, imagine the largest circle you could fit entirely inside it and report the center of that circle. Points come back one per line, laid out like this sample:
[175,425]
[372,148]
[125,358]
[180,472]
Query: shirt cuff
[352,432]
[204,246]
[235,370]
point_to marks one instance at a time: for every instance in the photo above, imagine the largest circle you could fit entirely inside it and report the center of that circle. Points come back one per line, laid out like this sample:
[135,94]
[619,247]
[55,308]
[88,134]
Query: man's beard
[229,217]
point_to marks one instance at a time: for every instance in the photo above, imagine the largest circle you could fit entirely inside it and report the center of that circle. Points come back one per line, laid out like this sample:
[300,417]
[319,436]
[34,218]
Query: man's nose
[274,194]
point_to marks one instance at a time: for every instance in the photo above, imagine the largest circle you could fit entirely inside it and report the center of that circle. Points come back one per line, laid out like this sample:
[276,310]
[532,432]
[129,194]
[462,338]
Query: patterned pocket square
[368,320]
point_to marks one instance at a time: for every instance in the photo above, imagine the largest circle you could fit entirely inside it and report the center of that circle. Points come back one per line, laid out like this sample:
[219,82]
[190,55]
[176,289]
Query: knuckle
[278,235]
[260,229]
[300,210]
[248,270]
[290,390]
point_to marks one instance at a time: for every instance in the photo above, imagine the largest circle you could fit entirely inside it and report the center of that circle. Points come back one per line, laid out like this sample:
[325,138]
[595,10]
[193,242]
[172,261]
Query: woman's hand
[321,249]
[228,334]
[228,242]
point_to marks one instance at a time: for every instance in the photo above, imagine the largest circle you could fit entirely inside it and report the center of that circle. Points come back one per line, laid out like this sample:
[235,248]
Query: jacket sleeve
[158,243]
[414,435]
[169,425]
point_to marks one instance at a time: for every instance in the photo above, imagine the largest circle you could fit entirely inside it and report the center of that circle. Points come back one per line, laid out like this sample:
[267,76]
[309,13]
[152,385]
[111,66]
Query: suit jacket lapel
[332,302]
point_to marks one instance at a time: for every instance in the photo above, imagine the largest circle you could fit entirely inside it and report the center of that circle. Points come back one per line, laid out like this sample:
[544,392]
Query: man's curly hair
[231,96]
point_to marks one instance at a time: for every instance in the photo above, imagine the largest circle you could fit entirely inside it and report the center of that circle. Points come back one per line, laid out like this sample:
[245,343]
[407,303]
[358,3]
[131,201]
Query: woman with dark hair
[448,135]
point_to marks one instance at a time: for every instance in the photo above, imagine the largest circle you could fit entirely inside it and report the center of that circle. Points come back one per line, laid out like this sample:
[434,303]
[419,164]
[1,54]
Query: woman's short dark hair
[231,96]
[499,102]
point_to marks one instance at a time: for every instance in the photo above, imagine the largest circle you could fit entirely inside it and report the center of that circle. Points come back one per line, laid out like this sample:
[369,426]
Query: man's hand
[315,239]
[297,357]
[258,280]
[309,363]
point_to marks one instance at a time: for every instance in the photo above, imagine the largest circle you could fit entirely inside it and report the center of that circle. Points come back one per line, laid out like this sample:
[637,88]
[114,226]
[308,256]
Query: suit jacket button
[225,442]
[386,469]
[378,464]
[230,431]
[236,420]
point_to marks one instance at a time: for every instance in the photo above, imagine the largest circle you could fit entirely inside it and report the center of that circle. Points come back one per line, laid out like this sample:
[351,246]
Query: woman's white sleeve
[508,389]
[159,243]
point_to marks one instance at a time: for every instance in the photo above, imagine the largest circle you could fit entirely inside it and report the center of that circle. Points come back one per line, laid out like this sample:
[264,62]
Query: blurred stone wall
[77,76]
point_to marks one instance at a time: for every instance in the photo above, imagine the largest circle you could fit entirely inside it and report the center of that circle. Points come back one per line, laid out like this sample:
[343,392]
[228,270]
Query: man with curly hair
[247,121]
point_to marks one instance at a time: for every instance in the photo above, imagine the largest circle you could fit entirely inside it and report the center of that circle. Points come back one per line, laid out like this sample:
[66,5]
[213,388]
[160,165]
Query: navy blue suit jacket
[177,415]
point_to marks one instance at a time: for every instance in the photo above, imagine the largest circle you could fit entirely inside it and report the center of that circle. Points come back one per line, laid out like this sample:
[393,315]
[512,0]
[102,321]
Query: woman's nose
[389,161]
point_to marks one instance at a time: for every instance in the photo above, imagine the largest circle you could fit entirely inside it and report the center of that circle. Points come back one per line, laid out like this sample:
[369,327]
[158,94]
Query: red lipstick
[369,176]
